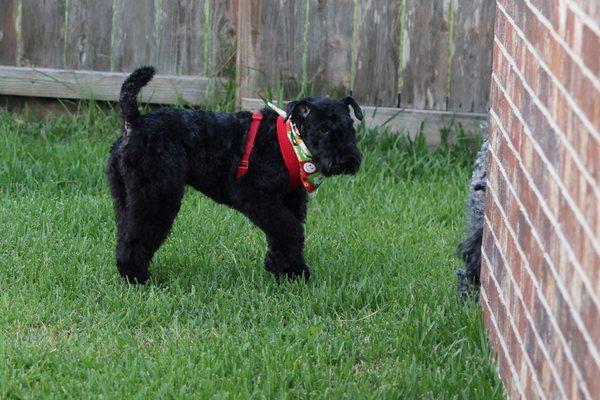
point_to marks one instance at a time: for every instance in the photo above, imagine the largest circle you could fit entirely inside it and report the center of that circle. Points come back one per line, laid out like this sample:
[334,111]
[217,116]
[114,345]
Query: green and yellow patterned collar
[309,175]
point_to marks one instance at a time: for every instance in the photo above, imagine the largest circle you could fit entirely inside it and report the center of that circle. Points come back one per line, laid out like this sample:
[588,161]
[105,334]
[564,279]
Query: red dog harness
[285,147]
[245,162]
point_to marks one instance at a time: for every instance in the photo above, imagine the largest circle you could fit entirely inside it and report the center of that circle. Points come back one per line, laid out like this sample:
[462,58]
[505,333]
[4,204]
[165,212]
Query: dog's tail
[129,91]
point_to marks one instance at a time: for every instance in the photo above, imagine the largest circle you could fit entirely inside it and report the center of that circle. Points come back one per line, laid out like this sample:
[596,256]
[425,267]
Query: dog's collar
[290,139]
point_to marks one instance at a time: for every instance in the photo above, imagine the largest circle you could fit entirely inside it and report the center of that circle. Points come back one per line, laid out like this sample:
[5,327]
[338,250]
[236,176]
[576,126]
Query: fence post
[248,21]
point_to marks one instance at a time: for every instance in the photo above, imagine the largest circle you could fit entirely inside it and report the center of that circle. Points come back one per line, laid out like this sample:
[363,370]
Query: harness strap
[285,147]
[288,154]
[245,162]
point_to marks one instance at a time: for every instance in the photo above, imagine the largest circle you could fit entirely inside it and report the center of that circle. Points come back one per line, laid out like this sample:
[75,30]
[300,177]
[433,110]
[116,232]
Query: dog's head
[328,131]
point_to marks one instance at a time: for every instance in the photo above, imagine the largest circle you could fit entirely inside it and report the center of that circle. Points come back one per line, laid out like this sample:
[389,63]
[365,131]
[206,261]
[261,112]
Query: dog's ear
[349,101]
[300,108]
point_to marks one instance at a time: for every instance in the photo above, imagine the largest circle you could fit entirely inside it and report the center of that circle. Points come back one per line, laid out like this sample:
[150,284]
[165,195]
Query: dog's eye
[324,131]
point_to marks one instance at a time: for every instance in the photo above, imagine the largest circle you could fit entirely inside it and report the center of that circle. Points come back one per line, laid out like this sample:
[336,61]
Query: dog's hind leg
[150,215]
[118,191]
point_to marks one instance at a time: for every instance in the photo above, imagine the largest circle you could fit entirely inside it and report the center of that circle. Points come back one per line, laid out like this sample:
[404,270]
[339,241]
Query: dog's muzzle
[347,163]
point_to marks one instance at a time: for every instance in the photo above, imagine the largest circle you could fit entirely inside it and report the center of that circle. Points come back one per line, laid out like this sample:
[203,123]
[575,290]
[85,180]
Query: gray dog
[470,248]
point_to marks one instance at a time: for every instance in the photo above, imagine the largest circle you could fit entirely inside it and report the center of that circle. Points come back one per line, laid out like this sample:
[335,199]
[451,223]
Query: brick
[589,50]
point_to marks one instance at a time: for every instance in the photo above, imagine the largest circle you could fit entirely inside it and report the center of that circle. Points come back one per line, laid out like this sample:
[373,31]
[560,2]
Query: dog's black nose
[349,163]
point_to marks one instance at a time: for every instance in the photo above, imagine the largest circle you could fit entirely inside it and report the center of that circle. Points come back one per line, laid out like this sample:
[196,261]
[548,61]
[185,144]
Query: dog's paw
[296,273]
[281,268]
[134,277]
[271,263]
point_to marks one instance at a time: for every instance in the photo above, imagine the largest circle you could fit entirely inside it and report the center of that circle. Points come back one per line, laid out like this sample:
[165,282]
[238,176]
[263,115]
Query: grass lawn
[379,318]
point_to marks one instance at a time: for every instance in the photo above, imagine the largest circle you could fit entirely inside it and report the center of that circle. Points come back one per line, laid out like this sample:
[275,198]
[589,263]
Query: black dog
[162,151]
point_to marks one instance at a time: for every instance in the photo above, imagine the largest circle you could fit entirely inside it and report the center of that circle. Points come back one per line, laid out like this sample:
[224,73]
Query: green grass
[379,319]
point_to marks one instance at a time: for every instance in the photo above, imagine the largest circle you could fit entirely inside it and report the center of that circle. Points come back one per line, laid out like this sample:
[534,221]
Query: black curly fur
[470,252]
[129,91]
[161,152]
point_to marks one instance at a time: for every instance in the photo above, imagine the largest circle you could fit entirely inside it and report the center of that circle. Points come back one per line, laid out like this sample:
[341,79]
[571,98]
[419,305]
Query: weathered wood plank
[222,46]
[95,85]
[8,32]
[195,37]
[426,43]
[329,52]
[181,37]
[377,60]
[304,46]
[89,24]
[248,20]
[42,30]
[472,59]
[133,35]
[405,120]
[279,42]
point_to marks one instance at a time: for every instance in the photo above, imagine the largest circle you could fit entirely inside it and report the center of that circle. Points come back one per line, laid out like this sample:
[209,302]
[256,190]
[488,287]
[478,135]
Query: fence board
[280,40]
[182,37]
[96,85]
[222,46]
[42,30]
[133,39]
[473,39]
[425,74]
[378,26]
[89,26]
[248,20]
[304,46]
[8,32]
[195,37]
[330,46]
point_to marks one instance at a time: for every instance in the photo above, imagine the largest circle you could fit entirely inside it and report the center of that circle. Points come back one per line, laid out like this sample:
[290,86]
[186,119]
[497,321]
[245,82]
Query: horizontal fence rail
[97,85]
[430,123]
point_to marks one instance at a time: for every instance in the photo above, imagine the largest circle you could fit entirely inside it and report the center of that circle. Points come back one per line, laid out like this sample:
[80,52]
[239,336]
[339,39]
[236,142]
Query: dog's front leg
[284,231]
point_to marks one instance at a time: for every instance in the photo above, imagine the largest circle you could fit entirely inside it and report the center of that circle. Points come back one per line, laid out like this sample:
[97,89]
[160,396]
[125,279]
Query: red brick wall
[541,246]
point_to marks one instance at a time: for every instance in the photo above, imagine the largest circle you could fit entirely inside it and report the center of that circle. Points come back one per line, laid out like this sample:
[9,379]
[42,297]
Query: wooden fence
[432,55]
